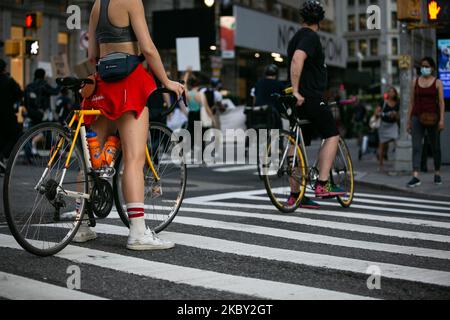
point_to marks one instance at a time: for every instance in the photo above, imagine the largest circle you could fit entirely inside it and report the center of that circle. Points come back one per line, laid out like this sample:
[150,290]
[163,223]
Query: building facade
[375,53]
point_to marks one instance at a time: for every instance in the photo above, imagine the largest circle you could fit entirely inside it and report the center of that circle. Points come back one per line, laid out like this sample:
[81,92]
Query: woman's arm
[93,50]
[139,23]
[187,75]
[441,104]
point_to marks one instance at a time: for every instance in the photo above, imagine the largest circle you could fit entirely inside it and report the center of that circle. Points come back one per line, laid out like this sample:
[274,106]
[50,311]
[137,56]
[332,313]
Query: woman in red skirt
[119,26]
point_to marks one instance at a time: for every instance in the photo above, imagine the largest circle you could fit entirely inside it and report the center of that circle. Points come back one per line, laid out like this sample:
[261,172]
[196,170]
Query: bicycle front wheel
[284,172]
[41,217]
[163,196]
[343,175]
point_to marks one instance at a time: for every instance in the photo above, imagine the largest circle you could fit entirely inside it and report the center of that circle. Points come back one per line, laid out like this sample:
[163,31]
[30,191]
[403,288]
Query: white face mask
[426,71]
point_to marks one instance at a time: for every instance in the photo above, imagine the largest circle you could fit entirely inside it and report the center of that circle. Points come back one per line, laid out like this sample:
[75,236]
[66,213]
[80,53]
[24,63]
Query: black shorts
[322,121]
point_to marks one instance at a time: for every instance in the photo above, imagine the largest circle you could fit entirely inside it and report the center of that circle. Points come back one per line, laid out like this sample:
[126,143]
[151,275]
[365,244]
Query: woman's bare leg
[133,134]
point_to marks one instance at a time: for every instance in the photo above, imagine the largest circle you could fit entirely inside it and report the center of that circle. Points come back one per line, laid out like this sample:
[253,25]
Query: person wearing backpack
[37,97]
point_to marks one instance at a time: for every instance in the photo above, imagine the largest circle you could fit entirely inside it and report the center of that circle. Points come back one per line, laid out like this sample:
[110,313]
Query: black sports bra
[107,33]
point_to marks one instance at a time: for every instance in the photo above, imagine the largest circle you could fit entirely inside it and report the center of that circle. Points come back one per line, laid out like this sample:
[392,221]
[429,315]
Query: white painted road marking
[13,287]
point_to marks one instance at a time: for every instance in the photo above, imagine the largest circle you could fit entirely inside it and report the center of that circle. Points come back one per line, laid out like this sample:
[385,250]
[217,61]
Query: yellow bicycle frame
[80,116]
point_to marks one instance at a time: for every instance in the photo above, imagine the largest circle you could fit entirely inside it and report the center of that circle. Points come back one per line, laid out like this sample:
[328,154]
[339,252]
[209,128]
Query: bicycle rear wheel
[42,220]
[163,198]
[284,172]
[342,174]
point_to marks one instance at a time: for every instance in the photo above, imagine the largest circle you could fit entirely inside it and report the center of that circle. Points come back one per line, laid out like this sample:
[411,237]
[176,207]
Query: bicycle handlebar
[291,99]
[73,83]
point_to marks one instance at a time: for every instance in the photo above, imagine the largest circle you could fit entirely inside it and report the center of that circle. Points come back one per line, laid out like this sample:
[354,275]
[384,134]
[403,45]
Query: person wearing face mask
[426,117]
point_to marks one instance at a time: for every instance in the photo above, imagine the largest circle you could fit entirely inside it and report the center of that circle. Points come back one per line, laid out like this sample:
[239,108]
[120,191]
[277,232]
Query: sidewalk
[367,173]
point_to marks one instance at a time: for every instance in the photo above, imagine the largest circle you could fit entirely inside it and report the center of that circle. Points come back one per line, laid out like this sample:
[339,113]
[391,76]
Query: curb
[378,186]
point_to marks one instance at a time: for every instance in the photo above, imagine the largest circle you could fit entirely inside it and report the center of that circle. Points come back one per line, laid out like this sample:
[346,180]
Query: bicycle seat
[73,83]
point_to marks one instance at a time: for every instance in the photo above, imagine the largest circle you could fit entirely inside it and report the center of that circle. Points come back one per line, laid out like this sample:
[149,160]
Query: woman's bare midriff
[126,47]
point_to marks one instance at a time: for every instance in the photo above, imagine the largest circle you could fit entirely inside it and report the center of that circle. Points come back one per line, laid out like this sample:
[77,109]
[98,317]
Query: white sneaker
[149,241]
[84,234]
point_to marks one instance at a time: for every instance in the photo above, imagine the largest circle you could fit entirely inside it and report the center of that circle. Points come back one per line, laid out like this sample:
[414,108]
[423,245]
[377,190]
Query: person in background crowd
[389,113]
[37,104]
[426,115]
[37,97]
[264,89]
[214,98]
[64,106]
[10,93]
[198,104]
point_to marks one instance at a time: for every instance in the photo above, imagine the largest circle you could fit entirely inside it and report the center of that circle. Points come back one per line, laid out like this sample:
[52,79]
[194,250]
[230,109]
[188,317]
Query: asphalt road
[233,245]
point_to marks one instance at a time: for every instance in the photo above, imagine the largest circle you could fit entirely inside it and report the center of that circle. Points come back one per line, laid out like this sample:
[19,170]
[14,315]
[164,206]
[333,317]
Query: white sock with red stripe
[137,220]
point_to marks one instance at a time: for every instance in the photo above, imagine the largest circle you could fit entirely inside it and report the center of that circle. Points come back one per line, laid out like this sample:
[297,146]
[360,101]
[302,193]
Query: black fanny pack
[118,66]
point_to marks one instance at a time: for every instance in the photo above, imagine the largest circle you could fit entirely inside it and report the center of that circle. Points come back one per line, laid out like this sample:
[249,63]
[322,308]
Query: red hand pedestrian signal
[434,9]
[33,20]
[30,21]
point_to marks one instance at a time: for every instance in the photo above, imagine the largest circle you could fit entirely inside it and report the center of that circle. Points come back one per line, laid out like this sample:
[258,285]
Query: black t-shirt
[264,88]
[314,79]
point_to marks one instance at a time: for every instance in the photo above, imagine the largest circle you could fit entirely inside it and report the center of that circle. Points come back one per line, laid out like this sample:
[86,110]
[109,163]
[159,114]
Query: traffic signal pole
[403,154]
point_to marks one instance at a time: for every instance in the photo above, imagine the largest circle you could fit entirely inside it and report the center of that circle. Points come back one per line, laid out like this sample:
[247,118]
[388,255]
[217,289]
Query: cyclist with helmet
[309,78]
[264,89]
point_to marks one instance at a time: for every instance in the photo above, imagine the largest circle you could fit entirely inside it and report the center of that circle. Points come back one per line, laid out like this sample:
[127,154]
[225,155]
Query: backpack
[33,101]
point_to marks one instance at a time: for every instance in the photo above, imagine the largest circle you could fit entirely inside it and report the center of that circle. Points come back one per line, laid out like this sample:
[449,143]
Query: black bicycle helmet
[271,71]
[312,12]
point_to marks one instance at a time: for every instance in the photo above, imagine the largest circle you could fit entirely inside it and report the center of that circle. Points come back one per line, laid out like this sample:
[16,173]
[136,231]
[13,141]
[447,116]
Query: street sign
[404,62]
[60,66]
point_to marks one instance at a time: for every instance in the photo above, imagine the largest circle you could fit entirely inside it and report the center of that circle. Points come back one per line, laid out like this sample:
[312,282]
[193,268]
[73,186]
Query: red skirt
[115,99]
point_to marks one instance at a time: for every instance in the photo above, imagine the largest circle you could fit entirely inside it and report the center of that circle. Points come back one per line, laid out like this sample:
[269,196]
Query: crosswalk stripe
[355,206]
[414,200]
[310,237]
[395,199]
[399,204]
[366,216]
[396,233]
[14,287]
[195,277]
[261,195]
[235,168]
[391,271]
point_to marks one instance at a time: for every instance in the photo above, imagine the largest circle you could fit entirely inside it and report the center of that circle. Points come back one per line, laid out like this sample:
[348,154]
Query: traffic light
[12,48]
[438,11]
[31,47]
[33,20]
[409,10]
